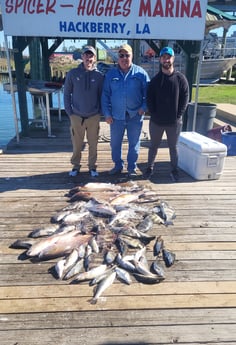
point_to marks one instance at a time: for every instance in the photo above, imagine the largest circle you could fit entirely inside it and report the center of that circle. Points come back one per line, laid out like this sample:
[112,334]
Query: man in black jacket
[167,100]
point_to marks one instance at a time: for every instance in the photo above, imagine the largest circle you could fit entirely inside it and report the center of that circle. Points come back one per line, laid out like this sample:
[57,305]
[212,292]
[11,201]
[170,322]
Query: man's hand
[109,120]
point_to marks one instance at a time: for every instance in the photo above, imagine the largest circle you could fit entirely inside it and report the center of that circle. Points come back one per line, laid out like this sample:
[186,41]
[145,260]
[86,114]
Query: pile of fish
[103,234]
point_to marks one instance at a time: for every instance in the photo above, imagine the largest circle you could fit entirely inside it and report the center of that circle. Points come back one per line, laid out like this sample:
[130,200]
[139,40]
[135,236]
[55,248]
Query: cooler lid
[200,143]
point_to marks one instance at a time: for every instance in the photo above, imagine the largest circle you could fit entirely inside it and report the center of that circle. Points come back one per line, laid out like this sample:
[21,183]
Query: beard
[167,65]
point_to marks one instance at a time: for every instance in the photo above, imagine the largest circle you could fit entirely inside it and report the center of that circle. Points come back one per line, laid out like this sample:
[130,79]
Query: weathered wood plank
[113,318]
[146,335]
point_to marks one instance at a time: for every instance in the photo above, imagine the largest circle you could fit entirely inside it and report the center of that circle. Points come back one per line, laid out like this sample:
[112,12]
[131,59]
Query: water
[7,123]
[7,126]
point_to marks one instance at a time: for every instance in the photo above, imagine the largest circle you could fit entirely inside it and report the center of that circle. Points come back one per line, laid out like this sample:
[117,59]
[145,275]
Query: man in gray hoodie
[82,101]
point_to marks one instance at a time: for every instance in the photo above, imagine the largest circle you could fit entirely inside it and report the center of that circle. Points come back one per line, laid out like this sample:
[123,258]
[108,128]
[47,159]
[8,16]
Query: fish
[102,286]
[23,243]
[147,279]
[132,232]
[146,224]
[74,270]
[127,265]
[124,215]
[94,245]
[142,268]
[124,198]
[81,196]
[44,231]
[71,259]
[57,245]
[158,246]
[100,209]
[123,275]
[157,269]
[147,197]
[74,217]
[59,268]
[58,217]
[99,278]
[109,257]
[99,187]
[168,257]
[92,273]
[131,242]
[166,212]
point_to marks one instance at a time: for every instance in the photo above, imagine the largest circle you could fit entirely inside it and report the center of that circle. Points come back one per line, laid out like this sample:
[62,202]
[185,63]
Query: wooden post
[19,44]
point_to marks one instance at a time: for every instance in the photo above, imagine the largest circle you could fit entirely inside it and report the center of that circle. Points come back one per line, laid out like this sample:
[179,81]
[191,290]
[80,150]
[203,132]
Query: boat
[214,69]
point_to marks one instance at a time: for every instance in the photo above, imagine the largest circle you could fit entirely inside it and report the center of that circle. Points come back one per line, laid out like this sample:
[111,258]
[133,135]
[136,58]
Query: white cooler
[200,156]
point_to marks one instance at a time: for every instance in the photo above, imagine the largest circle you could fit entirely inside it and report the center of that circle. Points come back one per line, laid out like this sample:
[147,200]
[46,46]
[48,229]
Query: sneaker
[132,174]
[93,173]
[174,175]
[74,172]
[148,173]
[115,171]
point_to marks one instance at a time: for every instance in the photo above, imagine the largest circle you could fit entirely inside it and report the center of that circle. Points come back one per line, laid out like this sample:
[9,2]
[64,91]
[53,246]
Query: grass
[216,94]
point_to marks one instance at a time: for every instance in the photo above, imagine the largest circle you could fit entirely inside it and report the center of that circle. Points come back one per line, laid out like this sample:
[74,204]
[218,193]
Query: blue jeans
[133,127]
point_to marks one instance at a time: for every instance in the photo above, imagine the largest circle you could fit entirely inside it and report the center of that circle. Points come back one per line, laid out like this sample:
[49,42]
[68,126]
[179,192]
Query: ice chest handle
[212,161]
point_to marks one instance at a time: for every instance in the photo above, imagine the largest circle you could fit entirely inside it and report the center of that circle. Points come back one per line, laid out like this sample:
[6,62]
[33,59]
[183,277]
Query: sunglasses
[124,56]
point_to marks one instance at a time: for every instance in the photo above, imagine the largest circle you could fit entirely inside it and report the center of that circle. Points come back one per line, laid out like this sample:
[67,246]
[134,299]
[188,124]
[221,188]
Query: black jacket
[167,97]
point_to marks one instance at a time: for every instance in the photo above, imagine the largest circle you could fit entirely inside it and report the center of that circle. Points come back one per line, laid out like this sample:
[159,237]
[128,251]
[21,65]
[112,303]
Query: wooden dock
[195,304]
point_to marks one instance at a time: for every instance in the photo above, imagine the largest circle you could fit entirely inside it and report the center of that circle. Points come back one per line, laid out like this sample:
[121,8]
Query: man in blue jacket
[82,100]
[123,105]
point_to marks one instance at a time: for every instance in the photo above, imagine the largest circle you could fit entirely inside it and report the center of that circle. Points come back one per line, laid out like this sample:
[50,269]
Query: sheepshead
[102,286]
[166,212]
[147,279]
[168,257]
[158,246]
[124,215]
[132,232]
[100,209]
[57,245]
[44,231]
[147,196]
[131,241]
[157,269]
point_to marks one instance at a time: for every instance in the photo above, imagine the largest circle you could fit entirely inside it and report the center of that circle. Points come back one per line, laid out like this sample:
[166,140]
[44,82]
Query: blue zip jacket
[124,92]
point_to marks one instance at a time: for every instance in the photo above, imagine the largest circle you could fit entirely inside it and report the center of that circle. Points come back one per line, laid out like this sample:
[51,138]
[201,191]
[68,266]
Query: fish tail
[93,301]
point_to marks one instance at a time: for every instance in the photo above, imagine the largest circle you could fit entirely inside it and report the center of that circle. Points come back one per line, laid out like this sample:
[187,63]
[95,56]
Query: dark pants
[172,134]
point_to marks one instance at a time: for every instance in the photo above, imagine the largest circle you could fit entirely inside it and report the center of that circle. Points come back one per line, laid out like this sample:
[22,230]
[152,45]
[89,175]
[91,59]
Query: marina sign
[116,19]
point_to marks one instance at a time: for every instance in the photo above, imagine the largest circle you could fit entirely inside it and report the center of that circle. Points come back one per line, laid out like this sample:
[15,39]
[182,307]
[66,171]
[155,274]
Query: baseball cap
[167,50]
[126,47]
[89,49]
